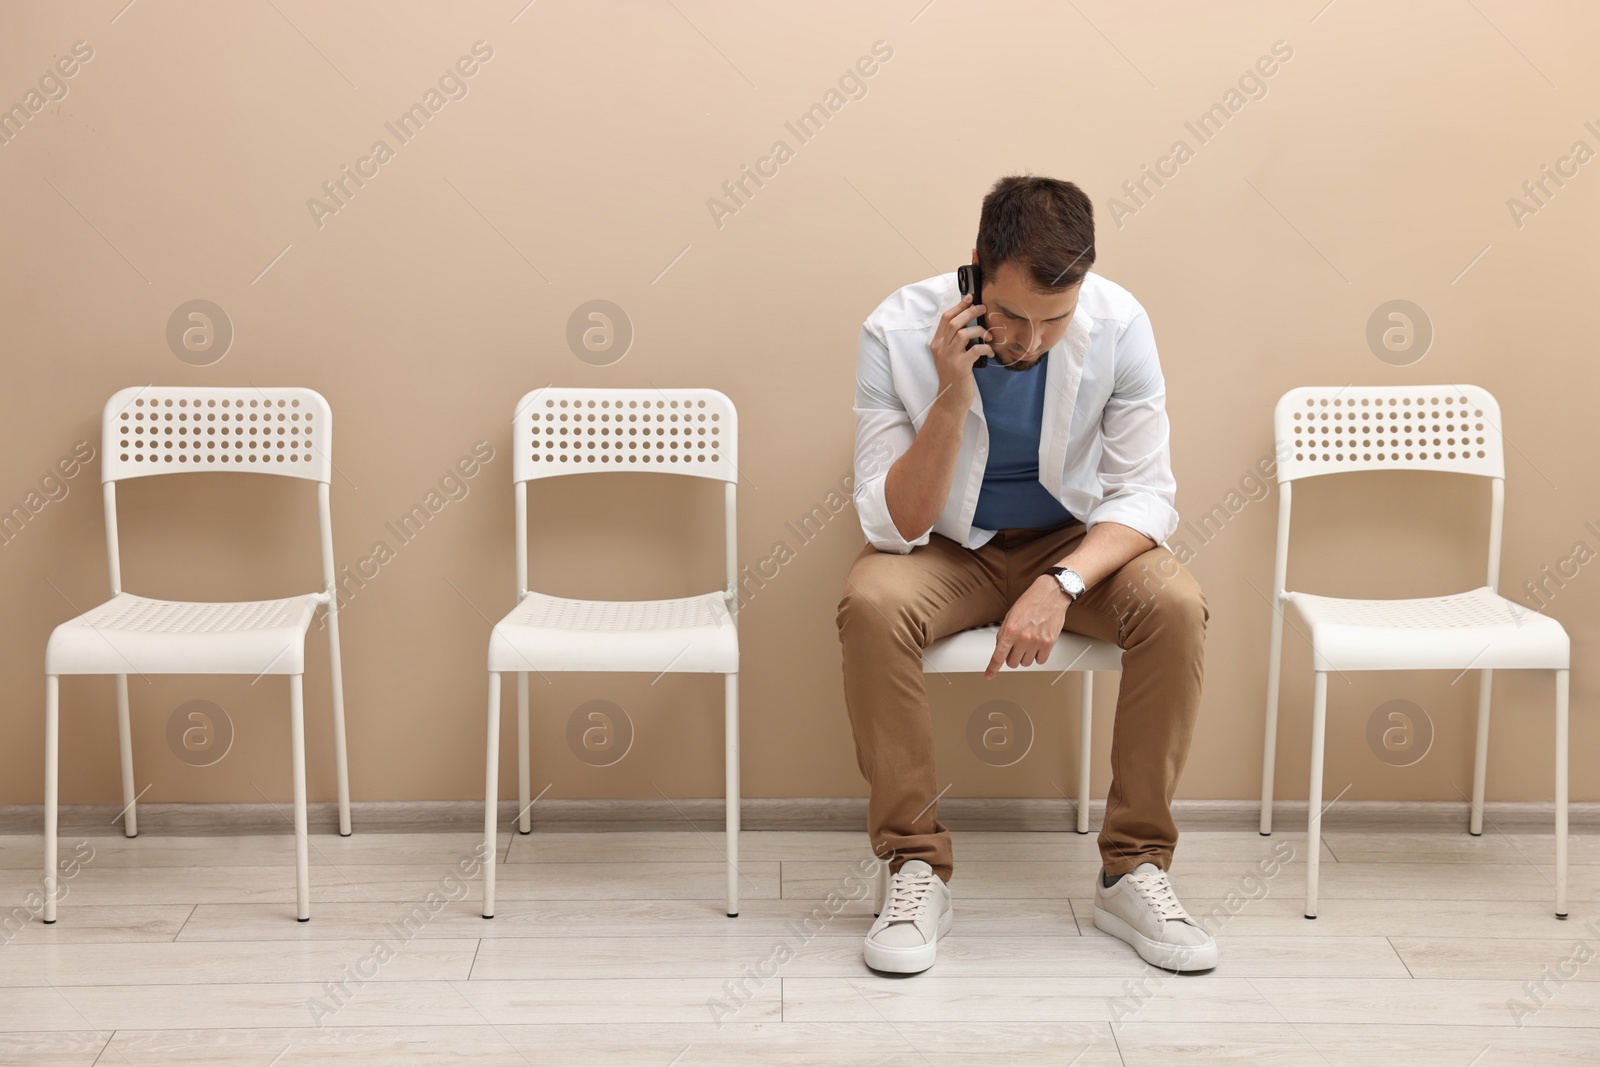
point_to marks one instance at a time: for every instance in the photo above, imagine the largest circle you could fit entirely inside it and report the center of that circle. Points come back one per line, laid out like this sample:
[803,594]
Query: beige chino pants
[895,605]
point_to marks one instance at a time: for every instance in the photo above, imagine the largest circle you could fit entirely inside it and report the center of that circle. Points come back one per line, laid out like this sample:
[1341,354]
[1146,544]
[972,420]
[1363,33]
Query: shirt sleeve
[1136,482]
[884,432]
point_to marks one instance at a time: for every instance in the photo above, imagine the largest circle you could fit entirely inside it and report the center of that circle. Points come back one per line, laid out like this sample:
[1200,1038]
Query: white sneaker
[915,916]
[1142,910]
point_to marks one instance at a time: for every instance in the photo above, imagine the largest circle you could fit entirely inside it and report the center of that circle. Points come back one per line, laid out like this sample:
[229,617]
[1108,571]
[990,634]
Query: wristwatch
[1069,579]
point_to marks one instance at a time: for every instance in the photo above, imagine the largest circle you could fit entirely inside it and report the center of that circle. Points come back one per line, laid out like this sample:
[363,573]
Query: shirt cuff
[1149,515]
[872,504]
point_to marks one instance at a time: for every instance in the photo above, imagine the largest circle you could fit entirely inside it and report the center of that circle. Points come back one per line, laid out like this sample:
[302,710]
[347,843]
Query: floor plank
[394,958]
[1292,1045]
[620,1044]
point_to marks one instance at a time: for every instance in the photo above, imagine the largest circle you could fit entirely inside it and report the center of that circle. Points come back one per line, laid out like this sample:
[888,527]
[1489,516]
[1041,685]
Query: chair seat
[135,635]
[1475,629]
[689,635]
[969,652]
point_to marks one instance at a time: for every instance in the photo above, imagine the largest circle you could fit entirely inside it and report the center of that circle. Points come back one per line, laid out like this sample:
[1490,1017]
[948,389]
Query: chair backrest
[161,429]
[1333,429]
[558,431]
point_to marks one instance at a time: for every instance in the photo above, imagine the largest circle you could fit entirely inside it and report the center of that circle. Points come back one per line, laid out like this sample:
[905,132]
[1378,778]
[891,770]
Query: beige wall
[1377,165]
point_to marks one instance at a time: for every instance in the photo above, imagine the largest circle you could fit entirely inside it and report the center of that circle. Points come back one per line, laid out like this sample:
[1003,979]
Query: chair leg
[1561,793]
[1085,727]
[297,744]
[130,814]
[1269,756]
[1319,717]
[491,789]
[1480,758]
[341,760]
[52,737]
[880,887]
[730,703]
[524,779]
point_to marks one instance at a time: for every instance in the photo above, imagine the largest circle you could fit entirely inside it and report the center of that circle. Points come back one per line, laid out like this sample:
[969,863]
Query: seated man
[1035,491]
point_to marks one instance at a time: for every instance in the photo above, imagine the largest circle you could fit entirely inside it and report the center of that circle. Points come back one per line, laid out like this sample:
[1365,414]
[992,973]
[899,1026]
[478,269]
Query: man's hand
[951,356]
[1031,626]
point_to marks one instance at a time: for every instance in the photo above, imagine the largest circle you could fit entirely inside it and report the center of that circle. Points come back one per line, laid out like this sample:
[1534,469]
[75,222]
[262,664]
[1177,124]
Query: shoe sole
[908,960]
[1157,953]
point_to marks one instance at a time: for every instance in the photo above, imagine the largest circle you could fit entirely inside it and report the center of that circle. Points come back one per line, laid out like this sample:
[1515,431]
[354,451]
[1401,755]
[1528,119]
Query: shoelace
[1157,892]
[908,897]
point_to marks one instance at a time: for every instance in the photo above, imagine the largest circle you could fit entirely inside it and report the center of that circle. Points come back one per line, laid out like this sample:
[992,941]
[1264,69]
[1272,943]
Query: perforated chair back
[1330,429]
[162,429]
[559,431]
[1339,429]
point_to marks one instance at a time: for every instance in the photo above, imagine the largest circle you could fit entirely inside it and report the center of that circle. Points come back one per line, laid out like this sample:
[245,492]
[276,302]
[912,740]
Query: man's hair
[1044,225]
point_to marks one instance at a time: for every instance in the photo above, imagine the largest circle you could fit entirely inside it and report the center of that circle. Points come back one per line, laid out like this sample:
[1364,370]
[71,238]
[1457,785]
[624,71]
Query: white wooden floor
[612,948]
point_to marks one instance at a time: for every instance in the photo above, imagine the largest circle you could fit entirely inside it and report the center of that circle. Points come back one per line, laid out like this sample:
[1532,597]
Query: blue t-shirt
[1013,407]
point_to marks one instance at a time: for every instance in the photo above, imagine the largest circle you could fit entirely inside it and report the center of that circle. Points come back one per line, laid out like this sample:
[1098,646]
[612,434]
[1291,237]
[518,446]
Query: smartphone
[969,279]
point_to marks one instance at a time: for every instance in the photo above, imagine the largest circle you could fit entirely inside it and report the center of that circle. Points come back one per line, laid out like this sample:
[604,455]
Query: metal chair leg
[52,737]
[130,795]
[341,760]
[524,781]
[880,887]
[491,777]
[297,744]
[1269,755]
[1085,728]
[1480,759]
[730,701]
[1561,793]
[1319,716]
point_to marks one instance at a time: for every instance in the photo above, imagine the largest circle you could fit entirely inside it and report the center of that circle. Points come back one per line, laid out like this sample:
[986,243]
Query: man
[1034,491]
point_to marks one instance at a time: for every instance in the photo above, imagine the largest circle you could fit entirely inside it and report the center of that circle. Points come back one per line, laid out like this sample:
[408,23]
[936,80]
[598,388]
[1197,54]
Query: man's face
[1025,322]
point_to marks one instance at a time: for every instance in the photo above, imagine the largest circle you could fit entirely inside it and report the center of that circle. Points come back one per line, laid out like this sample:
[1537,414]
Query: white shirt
[1103,446]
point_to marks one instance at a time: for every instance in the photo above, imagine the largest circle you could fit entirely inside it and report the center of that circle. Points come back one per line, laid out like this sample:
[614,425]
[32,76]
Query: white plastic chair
[175,430]
[1323,430]
[566,431]
[969,652]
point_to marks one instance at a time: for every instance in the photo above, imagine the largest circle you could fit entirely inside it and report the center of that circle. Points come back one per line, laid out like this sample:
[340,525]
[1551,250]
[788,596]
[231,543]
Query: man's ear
[974,256]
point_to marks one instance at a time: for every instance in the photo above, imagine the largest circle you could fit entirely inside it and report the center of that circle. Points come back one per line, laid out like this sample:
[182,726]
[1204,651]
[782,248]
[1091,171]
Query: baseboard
[783,813]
